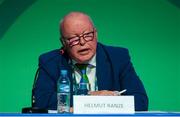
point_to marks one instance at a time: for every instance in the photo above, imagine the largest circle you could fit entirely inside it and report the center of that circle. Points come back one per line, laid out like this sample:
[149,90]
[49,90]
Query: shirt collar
[91,62]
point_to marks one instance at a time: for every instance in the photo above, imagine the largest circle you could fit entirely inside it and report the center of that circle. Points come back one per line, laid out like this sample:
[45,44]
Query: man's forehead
[76,18]
[76,26]
[75,23]
[77,31]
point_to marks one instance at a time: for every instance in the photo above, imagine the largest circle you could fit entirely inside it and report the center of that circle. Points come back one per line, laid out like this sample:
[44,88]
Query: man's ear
[95,30]
[62,50]
[62,42]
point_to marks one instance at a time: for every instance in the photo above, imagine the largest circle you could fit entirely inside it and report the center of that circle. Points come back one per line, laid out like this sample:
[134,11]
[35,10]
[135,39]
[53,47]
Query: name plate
[103,104]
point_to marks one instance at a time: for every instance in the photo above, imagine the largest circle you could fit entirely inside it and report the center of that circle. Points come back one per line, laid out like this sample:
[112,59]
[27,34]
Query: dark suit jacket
[114,71]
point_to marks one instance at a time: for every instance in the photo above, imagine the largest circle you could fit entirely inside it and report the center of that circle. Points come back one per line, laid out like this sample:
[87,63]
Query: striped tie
[82,68]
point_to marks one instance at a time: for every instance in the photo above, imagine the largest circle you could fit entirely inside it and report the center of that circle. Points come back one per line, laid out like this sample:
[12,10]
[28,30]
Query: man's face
[80,41]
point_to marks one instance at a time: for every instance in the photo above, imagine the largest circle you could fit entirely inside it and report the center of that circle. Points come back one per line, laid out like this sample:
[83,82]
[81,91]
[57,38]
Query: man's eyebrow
[76,35]
[80,34]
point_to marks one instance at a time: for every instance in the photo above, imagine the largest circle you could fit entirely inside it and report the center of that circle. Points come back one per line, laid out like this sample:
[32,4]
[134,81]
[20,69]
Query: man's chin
[84,59]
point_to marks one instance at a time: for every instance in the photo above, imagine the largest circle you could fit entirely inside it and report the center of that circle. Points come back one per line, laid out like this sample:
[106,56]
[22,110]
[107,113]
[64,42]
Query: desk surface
[137,114]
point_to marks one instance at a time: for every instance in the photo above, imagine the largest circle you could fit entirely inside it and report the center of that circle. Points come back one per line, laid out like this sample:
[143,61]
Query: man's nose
[82,41]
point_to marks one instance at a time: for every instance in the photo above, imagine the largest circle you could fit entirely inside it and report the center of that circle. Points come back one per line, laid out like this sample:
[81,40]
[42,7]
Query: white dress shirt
[90,72]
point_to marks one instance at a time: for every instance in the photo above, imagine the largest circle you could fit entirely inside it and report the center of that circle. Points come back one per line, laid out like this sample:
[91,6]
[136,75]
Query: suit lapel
[64,64]
[103,69]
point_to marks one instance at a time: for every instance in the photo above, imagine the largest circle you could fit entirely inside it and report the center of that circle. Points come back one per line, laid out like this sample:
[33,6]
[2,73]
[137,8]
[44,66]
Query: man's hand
[103,93]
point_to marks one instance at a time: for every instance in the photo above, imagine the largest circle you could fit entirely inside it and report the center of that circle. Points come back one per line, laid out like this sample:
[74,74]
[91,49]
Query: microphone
[62,51]
[34,109]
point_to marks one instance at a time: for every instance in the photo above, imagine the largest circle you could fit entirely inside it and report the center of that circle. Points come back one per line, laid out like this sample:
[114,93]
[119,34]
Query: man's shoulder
[49,55]
[118,56]
[115,50]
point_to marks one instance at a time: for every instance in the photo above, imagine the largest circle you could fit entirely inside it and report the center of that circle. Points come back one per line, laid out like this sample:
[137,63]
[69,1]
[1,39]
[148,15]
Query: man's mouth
[83,51]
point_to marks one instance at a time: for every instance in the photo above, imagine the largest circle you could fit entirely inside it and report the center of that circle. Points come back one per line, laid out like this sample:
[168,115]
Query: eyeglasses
[72,41]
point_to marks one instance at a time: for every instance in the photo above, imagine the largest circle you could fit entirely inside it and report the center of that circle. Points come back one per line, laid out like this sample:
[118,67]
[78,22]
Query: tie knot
[81,67]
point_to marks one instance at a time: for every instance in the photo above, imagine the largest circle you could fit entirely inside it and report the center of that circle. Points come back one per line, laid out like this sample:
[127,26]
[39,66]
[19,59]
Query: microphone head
[61,51]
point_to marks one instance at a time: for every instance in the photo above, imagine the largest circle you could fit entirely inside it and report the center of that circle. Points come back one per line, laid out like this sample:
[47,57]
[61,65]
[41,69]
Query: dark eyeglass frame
[75,40]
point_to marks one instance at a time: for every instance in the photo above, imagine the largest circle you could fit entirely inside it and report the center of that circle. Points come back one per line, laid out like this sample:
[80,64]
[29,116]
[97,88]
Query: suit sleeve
[130,81]
[45,89]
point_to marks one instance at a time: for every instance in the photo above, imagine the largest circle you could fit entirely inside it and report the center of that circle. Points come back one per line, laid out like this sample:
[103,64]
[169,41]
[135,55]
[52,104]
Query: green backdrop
[150,29]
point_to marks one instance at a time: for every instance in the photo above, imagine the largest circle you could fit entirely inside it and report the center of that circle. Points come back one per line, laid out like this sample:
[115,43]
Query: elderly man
[109,68]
